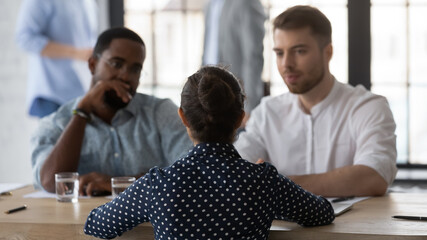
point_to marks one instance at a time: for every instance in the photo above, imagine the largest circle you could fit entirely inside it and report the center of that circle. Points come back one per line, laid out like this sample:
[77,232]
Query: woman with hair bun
[211,193]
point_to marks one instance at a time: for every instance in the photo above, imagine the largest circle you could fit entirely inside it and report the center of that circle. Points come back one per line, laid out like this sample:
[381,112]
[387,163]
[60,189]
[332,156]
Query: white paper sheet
[344,206]
[44,194]
[352,200]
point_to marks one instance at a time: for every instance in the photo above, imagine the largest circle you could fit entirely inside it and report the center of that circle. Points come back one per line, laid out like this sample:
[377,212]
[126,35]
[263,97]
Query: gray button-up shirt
[147,133]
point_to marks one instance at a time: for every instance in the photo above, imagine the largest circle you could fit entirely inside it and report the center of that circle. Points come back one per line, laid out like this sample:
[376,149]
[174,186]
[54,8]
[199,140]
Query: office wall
[15,125]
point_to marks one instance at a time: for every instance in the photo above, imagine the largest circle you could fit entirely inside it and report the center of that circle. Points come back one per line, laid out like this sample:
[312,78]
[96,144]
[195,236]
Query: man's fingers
[90,188]
[84,181]
[82,185]
[94,182]
[122,91]
[98,188]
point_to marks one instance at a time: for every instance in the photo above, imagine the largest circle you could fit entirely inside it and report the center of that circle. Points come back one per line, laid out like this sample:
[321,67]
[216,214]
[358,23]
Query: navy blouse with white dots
[212,193]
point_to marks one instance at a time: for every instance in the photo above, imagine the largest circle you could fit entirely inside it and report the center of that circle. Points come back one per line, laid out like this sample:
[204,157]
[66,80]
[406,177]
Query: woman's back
[213,193]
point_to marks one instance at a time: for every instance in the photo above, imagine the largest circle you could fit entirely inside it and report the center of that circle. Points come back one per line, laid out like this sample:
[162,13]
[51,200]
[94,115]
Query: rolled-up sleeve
[42,143]
[374,129]
[32,23]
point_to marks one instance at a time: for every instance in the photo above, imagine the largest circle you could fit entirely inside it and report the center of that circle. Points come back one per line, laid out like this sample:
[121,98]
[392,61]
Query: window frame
[359,49]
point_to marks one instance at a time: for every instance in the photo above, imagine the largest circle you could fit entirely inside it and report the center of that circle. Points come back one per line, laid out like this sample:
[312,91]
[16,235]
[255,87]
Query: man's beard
[307,85]
[113,101]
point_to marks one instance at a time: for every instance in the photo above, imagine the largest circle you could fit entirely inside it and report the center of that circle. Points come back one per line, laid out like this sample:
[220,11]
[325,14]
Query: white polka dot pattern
[210,194]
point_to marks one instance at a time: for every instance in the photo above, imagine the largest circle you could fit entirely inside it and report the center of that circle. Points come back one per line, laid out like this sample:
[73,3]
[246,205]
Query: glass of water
[67,186]
[119,184]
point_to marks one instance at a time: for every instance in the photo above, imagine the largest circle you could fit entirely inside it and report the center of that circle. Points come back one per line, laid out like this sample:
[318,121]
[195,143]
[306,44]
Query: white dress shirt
[351,126]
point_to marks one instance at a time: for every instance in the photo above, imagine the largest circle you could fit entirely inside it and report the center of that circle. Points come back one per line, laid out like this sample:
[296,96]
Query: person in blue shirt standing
[58,35]
[234,34]
[211,193]
[111,130]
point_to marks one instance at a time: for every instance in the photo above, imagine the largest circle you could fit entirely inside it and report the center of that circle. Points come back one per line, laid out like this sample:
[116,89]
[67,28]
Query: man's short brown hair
[298,17]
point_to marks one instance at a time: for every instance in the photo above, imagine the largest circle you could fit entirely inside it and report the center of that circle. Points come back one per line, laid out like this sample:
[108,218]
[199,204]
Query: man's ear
[328,50]
[183,119]
[92,64]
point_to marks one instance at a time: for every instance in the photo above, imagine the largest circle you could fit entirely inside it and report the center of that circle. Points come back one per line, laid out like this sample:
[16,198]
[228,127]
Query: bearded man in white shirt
[331,138]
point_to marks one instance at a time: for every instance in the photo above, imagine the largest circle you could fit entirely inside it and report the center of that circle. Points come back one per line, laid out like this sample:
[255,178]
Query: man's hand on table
[94,184]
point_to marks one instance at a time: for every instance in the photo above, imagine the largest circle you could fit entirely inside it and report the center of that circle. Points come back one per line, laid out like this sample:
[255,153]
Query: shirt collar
[214,148]
[133,105]
[316,109]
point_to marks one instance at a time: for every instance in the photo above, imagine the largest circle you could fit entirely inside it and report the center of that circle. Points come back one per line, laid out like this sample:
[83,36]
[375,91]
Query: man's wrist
[85,106]
[82,113]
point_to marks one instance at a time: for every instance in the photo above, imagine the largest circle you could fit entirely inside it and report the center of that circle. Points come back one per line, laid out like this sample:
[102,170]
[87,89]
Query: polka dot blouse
[209,194]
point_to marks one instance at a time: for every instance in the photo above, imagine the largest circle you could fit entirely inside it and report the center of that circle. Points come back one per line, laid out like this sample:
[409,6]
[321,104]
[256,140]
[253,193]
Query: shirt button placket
[116,149]
[309,150]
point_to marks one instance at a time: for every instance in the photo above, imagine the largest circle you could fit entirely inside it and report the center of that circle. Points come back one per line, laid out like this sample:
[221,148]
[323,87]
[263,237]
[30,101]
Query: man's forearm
[357,180]
[65,154]
[58,50]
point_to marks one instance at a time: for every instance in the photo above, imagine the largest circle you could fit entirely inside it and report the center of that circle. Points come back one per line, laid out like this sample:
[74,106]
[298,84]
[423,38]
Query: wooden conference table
[370,219]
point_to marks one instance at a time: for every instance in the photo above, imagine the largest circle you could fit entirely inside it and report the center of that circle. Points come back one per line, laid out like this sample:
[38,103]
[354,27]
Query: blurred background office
[58,36]
[381,44]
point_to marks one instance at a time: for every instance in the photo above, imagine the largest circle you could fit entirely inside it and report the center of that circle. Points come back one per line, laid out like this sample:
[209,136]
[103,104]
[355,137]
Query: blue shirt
[147,133]
[211,54]
[61,21]
[209,194]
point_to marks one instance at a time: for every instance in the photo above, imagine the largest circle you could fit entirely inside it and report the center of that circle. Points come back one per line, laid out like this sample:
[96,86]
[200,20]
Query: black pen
[341,199]
[418,218]
[16,209]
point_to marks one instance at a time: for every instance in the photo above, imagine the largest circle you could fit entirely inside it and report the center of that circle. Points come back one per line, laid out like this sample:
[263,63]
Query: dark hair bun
[215,95]
[212,103]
